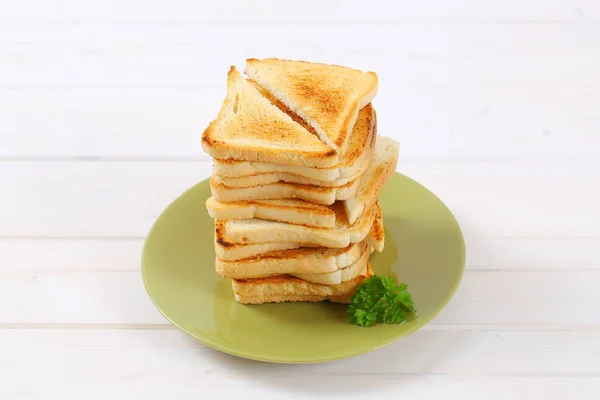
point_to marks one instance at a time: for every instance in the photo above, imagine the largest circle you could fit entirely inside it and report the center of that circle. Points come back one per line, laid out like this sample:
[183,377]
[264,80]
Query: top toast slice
[250,128]
[327,97]
[353,163]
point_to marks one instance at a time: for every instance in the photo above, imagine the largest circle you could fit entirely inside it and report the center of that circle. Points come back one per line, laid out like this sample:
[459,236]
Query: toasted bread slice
[339,276]
[327,97]
[304,260]
[269,178]
[292,211]
[374,180]
[286,288]
[252,231]
[232,251]
[228,251]
[284,190]
[353,164]
[250,128]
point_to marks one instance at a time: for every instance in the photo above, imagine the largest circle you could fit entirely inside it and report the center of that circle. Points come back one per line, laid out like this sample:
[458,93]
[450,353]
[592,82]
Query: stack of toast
[298,169]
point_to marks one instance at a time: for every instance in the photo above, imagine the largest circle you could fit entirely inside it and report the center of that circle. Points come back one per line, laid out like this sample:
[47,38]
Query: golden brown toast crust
[287,288]
[302,252]
[376,236]
[353,163]
[256,231]
[327,97]
[283,107]
[284,190]
[308,260]
[360,152]
[375,179]
[250,128]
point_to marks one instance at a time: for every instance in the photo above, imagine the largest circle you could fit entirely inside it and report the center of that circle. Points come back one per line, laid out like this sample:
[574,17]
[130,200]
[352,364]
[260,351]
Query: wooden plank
[533,254]
[60,65]
[528,199]
[153,364]
[110,254]
[546,123]
[352,36]
[92,199]
[136,11]
[484,299]
[70,255]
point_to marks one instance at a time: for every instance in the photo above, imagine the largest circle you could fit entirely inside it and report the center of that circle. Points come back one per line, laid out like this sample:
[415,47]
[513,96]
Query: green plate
[424,248]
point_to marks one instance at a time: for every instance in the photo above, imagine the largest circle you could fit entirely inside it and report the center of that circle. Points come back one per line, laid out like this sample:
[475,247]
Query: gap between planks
[432,326]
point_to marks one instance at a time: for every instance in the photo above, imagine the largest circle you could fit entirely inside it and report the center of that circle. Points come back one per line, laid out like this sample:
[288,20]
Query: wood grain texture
[155,364]
[459,54]
[463,89]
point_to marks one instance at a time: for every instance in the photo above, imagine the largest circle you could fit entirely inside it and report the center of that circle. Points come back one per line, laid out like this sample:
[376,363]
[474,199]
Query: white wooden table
[497,107]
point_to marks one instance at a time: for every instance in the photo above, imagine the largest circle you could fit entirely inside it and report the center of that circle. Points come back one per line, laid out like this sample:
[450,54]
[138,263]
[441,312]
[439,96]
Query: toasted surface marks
[374,179]
[284,190]
[308,260]
[252,231]
[250,128]
[352,165]
[292,211]
[285,288]
[327,97]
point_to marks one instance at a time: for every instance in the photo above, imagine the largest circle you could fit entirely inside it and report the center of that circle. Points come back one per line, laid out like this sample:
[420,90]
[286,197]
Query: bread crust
[286,288]
[303,260]
[253,231]
[250,128]
[326,97]
[374,179]
[228,250]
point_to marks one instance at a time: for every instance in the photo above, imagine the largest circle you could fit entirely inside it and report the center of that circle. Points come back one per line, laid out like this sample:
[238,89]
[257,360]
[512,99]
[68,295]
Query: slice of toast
[284,190]
[326,97]
[292,211]
[374,180]
[341,275]
[286,288]
[253,231]
[304,260]
[354,163]
[274,177]
[250,128]
[229,251]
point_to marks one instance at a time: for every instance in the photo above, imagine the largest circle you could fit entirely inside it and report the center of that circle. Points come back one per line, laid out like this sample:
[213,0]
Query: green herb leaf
[380,301]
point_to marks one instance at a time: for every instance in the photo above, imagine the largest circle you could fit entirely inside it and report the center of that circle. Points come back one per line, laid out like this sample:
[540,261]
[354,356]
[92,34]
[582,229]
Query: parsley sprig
[380,301]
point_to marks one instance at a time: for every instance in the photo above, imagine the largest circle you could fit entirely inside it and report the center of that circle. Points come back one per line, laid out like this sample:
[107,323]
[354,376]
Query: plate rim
[315,360]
